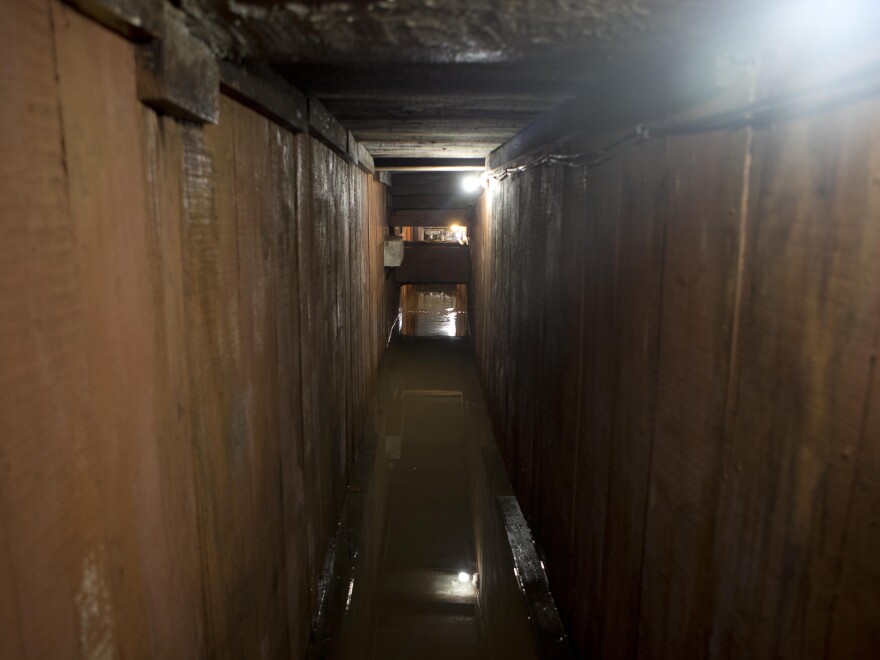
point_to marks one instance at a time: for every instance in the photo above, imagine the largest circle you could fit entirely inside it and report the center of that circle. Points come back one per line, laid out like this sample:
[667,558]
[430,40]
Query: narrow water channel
[433,575]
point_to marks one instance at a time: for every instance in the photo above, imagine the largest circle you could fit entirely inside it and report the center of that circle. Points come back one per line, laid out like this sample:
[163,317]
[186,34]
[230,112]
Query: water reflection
[432,572]
[433,310]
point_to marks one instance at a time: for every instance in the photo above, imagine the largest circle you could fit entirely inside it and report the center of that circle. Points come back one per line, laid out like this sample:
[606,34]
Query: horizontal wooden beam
[326,128]
[636,94]
[178,74]
[138,20]
[430,164]
[266,92]
[382,177]
[430,217]
[434,263]
[365,159]
[460,201]
[428,183]
[532,579]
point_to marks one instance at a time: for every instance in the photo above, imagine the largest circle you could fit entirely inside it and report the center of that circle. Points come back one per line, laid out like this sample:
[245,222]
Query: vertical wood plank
[264,622]
[105,164]
[178,591]
[48,499]
[219,422]
[641,237]
[699,300]
[807,339]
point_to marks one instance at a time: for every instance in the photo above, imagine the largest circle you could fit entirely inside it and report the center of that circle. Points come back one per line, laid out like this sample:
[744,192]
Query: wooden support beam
[430,217]
[459,201]
[635,95]
[365,159]
[178,74]
[428,183]
[351,150]
[383,177]
[549,632]
[266,92]
[326,128]
[430,164]
[138,20]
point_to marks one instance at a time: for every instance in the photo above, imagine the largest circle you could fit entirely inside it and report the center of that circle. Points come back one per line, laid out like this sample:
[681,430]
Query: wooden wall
[191,320]
[679,352]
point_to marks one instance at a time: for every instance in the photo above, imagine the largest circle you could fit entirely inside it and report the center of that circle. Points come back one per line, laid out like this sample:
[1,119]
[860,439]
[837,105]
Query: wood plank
[599,382]
[430,164]
[219,413]
[636,92]
[310,317]
[802,385]
[856,607]
[140,20]
[49,498]
[433,201]
[178,590]
[547,627]
[259,465]
[326,128]
[267,93]
[365,159]
[104,154]
[702,262]
[284,156]
[641,242]
[426,183]
[178,74]
[429,218]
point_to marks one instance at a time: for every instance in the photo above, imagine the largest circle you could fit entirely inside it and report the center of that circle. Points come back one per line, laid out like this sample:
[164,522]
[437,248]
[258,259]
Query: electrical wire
[847,90]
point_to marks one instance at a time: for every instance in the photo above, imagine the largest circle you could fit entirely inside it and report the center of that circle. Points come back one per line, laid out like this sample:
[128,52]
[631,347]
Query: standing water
[422,565]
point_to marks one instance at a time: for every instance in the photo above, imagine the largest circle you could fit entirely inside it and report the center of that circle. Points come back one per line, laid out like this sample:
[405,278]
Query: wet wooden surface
[192,321]
[695,459]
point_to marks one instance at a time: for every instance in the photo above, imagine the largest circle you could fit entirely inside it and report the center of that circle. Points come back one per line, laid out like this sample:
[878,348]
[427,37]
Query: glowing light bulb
[464,577]
[471,184]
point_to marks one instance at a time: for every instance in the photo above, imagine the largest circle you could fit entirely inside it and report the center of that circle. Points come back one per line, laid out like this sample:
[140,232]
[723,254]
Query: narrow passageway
[436,576]
[411,329]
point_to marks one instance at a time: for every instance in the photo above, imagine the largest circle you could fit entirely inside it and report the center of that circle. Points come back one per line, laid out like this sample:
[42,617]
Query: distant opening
[433,310]
[455,234]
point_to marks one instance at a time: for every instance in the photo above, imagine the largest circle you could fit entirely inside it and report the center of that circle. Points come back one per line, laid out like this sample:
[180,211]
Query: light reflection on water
[433,310]
[432,575]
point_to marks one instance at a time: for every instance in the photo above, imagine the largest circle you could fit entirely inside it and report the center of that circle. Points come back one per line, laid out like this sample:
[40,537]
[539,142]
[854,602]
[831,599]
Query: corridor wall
[191,321]
[678,348]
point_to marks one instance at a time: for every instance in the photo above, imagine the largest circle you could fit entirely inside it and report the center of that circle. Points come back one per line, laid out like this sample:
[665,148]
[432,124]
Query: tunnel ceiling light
[464,577]
[471,183]
[822,21]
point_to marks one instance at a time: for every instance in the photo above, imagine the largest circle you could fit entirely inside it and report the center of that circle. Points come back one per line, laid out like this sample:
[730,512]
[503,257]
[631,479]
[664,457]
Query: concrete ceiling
[451,78]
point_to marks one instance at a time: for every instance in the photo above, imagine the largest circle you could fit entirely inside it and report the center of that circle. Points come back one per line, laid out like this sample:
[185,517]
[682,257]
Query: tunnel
[427,329]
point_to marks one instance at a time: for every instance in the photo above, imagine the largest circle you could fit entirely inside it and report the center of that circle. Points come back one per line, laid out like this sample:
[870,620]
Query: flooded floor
[426,569]
[433,310]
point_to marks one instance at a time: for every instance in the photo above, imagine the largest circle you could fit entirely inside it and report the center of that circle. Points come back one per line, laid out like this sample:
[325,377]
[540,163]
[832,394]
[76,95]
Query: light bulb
[471,184]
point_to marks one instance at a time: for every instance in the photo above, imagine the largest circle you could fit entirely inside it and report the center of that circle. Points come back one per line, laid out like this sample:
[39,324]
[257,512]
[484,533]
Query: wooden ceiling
[451,78]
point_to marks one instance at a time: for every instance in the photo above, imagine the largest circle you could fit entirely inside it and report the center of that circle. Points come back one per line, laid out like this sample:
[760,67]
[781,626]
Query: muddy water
[433,310]
[433,576]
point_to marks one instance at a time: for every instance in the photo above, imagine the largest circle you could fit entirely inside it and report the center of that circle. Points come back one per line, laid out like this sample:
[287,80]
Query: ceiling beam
[430,217]
[430,164]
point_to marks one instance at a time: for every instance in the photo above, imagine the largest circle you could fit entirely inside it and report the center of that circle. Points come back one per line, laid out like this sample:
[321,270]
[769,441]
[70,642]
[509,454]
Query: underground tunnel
[393,329]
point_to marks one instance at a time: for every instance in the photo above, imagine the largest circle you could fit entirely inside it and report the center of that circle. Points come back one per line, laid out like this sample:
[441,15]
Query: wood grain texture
[180,590]
[48,498]
[805,349]
[710,494]
[104,153]
[702,256]
[155,498]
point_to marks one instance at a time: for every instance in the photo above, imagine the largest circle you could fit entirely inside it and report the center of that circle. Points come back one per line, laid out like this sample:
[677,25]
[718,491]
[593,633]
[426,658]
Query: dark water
[433,310]
[433,576]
